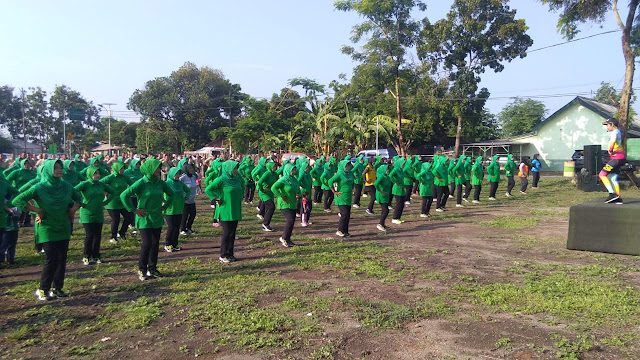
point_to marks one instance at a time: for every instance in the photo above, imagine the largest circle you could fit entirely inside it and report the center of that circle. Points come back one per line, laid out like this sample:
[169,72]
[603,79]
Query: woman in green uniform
[149,191]
[53,197]
[92,213]
[119,183]
[227,190]
[383,196]
[268,178]
[344,182]
[174,211]
[287,190]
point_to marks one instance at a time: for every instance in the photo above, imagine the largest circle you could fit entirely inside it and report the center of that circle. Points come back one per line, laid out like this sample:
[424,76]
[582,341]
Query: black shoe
[58,293]
[266,227]
[612,198]
[232,258]
[619,201]
[154,274]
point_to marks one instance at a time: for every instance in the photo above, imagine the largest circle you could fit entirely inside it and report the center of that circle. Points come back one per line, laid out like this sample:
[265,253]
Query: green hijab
[149,167]
[52,190]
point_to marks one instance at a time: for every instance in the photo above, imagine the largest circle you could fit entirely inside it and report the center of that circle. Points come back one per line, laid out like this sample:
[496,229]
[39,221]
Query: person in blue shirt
[535,171]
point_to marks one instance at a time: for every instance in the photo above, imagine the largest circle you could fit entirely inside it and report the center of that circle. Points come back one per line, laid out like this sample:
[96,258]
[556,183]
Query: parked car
[578,158]
[288,156]
[371,153]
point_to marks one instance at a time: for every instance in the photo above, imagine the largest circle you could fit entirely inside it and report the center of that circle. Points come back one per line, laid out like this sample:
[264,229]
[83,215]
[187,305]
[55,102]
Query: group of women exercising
[137,195]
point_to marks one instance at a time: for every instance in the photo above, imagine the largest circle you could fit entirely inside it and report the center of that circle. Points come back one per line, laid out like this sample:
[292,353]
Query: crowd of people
[145,192]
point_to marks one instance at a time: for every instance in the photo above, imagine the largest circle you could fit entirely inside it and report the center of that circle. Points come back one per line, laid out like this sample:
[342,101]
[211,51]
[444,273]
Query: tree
[574,12]
[521,115]
[9,108]
[189,103]
[391,33]
[475,35]
[63,99]
[609,95]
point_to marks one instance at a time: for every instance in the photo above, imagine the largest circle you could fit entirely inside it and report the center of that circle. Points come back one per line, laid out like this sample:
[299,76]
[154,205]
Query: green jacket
[6,189]
[118,183]
[509,166]
[78,165]
[467,169]
[149,190]
[382,184]
[180,192]
[257,171]
[214,171]
[358,168]
[409,175]
[344,181]
[329,171]
[397,177]
[229,189]
[304,178]
[425,177]
[132,173]
[93,198]
[53,196]
[287,186]
[70,175]
[316,172]
[450,172]
[477,172]
[268,178]
[458,170]
[493,170]
[21,176]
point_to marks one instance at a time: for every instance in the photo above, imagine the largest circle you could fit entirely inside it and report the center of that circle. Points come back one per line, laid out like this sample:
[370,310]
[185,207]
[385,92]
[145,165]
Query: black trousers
[523,184]
[442,194]
[249,191]
[536,178]
[399,207]
[357,193]
[467,189]
[148,259]
[261,207]
[290,217]
[493,187]
[8,247]
[459,194]
[269,208]
[92,238]
[188,216]
[173,229]
[452,190]
[115,222]
[345,216]
[317,194]
[510,184]
[55,265]
[408,190]
[25,218]
[228,238]
[371,191]
[384,212]
[426,204]
[476,192]
[328,199]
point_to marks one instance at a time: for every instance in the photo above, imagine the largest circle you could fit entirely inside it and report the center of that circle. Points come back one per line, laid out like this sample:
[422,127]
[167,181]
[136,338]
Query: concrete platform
[610,228]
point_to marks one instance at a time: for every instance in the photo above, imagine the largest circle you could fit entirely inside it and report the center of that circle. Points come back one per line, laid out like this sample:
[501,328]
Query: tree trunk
[629,60]
[456,149]
[401,150]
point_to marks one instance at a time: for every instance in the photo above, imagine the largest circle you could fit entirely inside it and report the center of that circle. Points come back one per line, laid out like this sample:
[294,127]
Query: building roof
[104,147]
[602,109]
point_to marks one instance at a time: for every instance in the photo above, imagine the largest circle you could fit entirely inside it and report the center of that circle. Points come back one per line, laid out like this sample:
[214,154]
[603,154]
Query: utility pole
[109,105]
[230,116]
[24,131]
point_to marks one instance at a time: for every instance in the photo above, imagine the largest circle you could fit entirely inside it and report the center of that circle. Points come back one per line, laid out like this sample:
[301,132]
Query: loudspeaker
[589,182]
[592,159]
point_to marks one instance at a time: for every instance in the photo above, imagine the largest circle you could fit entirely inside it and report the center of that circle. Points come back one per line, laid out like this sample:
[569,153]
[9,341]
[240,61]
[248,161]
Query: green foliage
[188,104]
[511,222]
[520,116]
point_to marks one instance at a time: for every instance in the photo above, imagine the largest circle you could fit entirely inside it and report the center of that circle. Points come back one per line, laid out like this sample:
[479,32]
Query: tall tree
[10,112]
[521,116]
[391,33]
[607,94]
[189,103]
[574,12]
[63,99]
[475,36]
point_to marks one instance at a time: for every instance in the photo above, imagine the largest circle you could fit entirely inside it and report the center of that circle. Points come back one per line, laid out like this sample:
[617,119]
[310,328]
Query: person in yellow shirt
[369,175]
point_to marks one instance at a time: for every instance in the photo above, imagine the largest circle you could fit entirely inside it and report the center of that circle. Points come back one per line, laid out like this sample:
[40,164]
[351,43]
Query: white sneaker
[507,194]
[339,215]
[476,202]
[224,260]
[183,233]
[260,216]
[369,212]
[283,242]
[356,206]
[298,215]
[380,227]
[257,208]
[236,238]
[168,248]
[424,215]
[450,196]
[304,224]
[407,202]
[459,205]
[113,241]
[396,221]
[492,198]
[439,210]
[465,200]
[340,233]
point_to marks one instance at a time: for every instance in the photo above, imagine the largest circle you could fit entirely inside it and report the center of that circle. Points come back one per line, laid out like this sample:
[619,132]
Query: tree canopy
[520,116]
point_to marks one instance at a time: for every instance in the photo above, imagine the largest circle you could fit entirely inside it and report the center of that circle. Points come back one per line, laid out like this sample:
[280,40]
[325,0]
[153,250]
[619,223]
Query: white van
[385,153]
